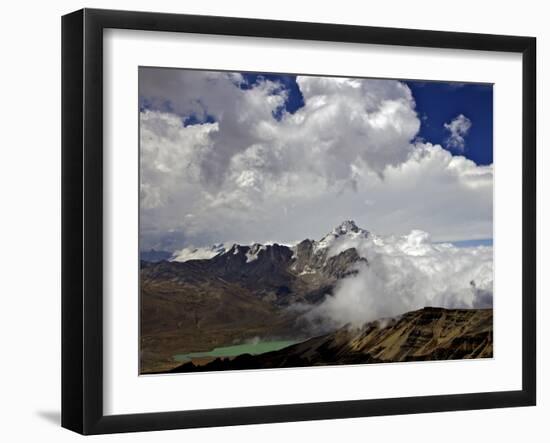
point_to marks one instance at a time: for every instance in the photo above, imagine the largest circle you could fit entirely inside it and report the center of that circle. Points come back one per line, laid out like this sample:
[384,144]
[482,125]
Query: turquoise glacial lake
[254,348]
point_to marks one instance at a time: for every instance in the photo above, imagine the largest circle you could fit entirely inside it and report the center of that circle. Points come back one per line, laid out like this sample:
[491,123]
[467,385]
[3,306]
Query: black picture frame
[82,218]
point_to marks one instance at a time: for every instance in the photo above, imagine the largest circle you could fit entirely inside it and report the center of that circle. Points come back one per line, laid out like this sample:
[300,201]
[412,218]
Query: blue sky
[437,103]
[295,98]
[470,243]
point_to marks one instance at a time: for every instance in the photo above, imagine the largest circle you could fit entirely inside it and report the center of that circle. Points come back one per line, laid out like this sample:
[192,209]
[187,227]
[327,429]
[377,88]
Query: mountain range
[203,298]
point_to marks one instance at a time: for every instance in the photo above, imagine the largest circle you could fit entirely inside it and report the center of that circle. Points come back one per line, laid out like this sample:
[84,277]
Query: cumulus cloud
[405,273]
[458,128]
[243,175]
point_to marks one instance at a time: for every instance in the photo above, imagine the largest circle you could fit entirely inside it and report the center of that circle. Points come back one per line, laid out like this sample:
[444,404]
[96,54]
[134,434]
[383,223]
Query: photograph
[297,220]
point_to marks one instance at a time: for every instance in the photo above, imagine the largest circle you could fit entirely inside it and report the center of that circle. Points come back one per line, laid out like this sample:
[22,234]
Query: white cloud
[458,128]
[406,273]
[250,178]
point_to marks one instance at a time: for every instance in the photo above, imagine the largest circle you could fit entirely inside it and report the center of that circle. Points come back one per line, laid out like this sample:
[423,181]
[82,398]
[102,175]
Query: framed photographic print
[269,221]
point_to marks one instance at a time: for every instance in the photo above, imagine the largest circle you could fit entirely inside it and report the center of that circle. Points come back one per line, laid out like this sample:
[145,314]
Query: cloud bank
[406,273]
[242,175]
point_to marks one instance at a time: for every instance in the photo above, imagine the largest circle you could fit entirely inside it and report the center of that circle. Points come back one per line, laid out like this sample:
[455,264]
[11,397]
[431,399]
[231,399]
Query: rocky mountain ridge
[426,334]
[286,274]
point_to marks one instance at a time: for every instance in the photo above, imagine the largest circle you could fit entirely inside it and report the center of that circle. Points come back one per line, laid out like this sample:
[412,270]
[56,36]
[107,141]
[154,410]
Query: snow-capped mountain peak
[345,230]
[347,227]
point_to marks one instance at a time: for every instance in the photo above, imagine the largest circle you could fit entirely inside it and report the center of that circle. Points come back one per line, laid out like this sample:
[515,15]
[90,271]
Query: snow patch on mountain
[205,253]
[254,251]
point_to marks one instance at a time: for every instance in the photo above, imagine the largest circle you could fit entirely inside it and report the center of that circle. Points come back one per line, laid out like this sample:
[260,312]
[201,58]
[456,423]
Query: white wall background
[30,219]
